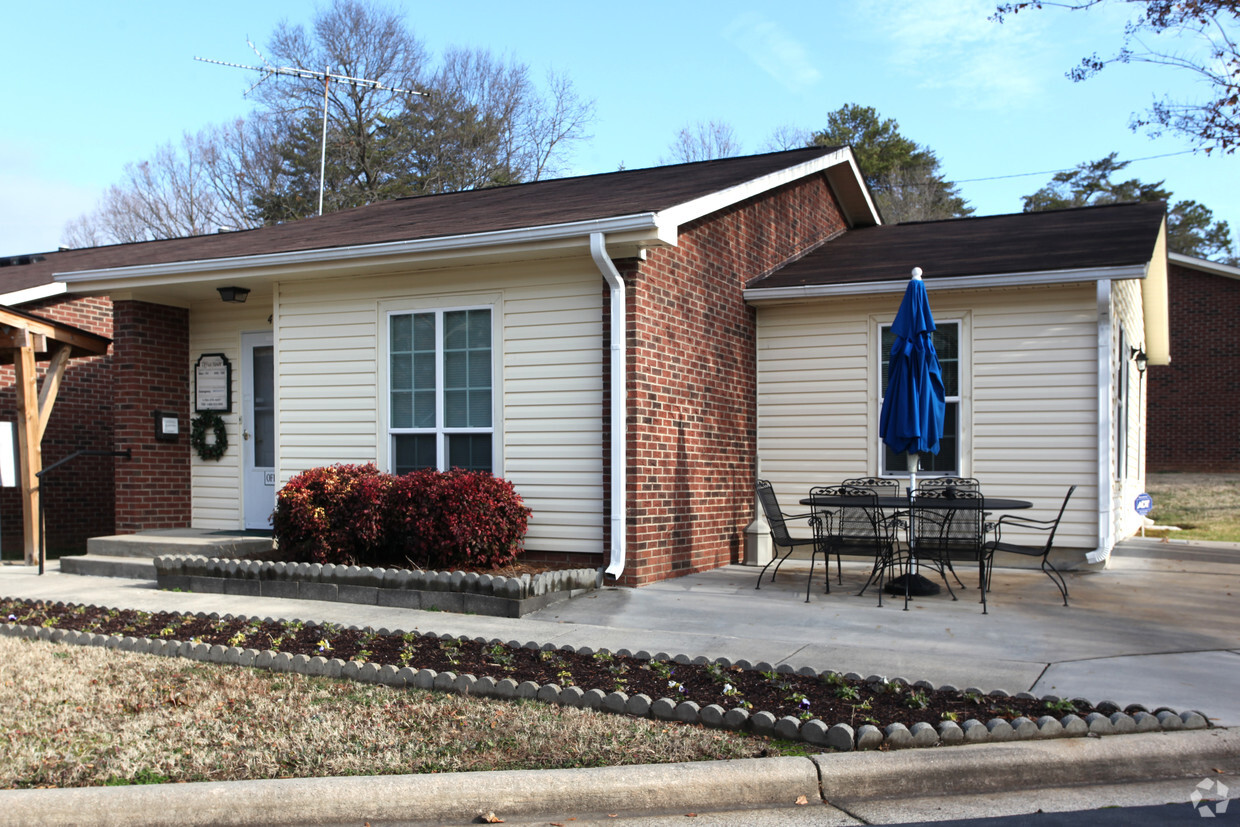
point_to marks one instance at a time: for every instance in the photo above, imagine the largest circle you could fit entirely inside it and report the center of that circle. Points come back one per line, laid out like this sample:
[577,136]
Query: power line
[1068,169]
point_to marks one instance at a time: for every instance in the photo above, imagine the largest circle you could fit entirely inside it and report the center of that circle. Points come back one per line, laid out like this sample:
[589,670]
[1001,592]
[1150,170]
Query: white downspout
[619,405]
[1106,425]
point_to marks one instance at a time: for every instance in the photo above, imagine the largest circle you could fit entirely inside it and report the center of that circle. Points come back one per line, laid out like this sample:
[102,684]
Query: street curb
[985,768]
[438,798]
[685,787]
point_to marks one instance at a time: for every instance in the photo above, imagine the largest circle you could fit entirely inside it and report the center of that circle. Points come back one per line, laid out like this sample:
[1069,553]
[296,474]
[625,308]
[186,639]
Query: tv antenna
[326,76]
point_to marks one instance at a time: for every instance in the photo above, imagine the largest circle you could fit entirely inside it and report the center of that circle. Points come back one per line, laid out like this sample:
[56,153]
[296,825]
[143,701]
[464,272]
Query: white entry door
[258,429]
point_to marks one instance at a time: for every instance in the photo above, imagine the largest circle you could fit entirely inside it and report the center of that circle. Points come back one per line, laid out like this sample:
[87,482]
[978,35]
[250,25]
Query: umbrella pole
[912,583]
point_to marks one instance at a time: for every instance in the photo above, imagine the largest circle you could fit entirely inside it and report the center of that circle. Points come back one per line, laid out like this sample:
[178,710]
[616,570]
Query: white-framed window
[441,398]
[947,461]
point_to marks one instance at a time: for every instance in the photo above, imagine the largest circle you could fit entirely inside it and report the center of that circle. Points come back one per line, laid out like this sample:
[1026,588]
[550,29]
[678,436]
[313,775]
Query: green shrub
[358,515]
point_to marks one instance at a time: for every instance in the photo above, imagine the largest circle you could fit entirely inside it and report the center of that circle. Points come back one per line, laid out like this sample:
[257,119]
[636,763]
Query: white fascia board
[681,214]
[1204,265]
[813,291]
[179,270]
[32,294]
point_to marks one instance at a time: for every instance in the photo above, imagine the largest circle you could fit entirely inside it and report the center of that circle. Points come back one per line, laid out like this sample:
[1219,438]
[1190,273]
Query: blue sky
[90,86]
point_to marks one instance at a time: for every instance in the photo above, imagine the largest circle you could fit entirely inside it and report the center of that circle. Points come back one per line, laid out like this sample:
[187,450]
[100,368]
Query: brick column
[150,347]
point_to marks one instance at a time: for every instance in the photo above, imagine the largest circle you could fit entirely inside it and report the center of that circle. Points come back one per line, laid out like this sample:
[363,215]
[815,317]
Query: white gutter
[1204,265]
[32,294]
[1106,424]
[619,405]
[640,222]
[1024,279]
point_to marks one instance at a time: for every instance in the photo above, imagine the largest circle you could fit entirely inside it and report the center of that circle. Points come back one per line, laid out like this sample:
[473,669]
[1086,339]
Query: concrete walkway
[1160,626]
[1157,627]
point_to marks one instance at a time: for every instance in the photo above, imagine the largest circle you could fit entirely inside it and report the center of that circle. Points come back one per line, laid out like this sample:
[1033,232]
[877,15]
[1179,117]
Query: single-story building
[708,322]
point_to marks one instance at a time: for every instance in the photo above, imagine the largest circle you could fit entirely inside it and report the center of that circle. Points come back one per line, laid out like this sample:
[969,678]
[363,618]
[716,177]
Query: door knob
[245,435]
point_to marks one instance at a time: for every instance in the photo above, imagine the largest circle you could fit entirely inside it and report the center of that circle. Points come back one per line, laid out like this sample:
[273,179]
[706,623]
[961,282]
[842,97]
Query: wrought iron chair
[780,536]
[858,527]
[955,483]
[1015,521]
[931,483]
[883,487]
[946,525]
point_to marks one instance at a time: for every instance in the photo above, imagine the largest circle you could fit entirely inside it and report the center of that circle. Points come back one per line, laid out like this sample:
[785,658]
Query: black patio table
[921,586]
[943,503]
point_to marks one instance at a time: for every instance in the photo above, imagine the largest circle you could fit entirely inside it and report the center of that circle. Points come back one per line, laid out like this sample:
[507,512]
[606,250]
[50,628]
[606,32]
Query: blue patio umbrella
[911,421]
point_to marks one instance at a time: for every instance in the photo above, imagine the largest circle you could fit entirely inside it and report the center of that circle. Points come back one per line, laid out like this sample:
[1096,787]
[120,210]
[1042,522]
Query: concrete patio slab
[1188,680]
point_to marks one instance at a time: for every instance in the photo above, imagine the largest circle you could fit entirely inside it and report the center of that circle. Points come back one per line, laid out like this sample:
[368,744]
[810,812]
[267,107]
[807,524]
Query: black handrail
[127,454]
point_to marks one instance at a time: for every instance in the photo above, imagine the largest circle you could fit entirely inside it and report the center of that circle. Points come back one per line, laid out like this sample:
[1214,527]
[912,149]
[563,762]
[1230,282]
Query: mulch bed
[831,699]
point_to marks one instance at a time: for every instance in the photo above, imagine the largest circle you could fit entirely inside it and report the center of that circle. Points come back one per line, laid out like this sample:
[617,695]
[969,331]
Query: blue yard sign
[1143,504]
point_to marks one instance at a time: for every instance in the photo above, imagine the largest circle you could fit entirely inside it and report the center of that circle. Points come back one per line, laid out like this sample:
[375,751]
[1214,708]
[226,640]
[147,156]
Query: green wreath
[198,435]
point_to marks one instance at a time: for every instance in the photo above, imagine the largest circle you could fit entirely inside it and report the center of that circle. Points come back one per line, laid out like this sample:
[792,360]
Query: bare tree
[1199,37]
[788,137]
[167,195]
[705,141]
[242,160]
[551,123]
[481,122]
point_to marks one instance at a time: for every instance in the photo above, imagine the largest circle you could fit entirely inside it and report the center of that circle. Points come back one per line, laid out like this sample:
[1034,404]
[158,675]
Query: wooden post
[29,443]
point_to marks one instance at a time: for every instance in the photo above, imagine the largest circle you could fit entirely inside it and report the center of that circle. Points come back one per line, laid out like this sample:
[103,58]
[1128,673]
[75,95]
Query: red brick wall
[151,372]
[1194,403]
[692,378]
[77,497]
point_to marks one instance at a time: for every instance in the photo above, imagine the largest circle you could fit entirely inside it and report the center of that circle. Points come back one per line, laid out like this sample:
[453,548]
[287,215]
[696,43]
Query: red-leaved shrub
[356,514]
[455,519]
[332,515]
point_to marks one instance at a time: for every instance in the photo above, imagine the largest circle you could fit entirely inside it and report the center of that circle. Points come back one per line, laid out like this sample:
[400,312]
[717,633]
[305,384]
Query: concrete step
[179,541]
[97,565]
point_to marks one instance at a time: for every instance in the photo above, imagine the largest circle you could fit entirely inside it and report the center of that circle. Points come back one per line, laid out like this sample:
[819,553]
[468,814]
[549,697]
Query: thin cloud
[774,51]
[952,46]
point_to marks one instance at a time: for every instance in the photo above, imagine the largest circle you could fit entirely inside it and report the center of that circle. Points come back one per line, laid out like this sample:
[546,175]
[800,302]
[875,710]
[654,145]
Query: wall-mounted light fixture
[234,295]
[1138,355]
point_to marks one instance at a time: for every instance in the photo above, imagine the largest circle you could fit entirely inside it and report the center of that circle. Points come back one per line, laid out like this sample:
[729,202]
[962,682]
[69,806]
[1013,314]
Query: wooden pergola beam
[30,448]
[24,339]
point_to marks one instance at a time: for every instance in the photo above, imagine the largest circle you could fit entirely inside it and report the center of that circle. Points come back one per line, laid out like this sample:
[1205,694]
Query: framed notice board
[213,383]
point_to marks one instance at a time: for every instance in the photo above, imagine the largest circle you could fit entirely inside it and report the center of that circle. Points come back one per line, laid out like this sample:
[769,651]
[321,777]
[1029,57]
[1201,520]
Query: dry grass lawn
[1205,506]
[82,716]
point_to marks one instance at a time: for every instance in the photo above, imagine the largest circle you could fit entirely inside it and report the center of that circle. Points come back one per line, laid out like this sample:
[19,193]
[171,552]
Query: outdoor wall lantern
[1137,355]
[234,295]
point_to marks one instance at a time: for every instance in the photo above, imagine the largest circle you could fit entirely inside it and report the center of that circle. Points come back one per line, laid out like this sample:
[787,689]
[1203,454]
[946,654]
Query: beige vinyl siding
[1028,394]
[332,381]
[216,485]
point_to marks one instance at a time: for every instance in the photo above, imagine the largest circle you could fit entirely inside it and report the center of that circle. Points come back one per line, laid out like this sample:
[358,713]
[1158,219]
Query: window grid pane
[440,367]
[467,369]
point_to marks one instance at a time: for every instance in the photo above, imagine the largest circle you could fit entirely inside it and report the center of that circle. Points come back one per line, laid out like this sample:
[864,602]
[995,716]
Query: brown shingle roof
[1109,236]
[541,203]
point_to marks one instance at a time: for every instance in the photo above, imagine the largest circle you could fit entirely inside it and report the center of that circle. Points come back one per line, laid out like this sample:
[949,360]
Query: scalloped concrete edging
[462,592]
[839,737]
